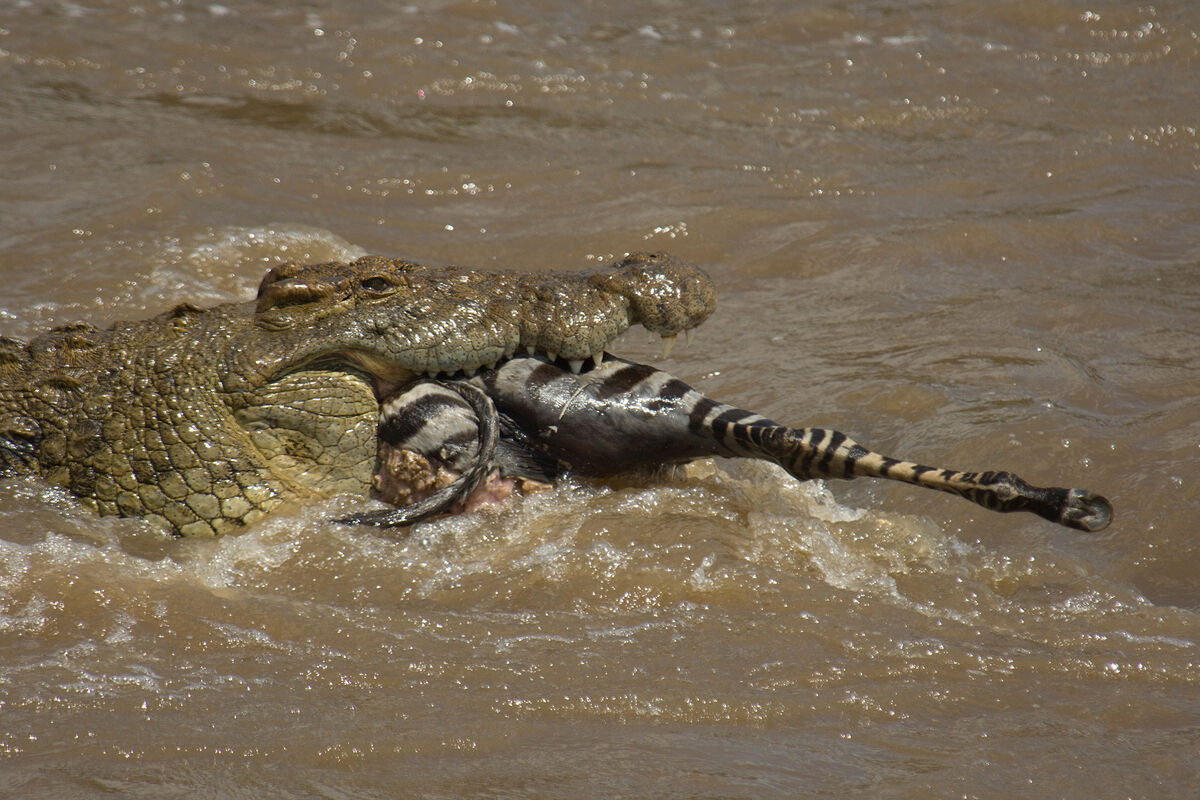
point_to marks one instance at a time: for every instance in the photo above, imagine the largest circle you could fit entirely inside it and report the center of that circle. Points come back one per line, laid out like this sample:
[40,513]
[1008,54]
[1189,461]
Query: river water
[966,233]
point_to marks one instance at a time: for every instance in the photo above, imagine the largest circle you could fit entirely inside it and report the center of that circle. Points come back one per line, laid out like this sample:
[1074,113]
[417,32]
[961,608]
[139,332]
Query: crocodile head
[328,342]
[397,320]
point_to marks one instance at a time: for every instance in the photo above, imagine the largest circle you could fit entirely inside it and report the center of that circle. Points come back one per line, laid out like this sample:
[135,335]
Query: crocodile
[206,420]
[420,385]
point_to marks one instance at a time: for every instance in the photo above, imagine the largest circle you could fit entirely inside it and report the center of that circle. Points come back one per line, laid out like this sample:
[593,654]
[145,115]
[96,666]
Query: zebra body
[621,415]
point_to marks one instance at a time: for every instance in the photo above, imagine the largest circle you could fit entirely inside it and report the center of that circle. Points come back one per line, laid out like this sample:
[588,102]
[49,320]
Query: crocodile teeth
[576,364]
[530,349]
[668,345]
[550,354]
[598,357]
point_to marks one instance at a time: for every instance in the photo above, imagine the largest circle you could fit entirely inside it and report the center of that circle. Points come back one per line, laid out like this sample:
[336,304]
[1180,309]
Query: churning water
[965,233]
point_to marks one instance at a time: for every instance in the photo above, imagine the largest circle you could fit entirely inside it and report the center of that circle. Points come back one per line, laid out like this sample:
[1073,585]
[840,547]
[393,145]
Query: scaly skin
[206,419]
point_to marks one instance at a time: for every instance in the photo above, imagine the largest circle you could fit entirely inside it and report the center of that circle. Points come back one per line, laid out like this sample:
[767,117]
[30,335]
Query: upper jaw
[396,320]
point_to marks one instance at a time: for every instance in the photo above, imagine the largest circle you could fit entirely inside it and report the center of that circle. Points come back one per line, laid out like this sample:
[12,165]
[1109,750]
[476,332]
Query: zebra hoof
[1086,511]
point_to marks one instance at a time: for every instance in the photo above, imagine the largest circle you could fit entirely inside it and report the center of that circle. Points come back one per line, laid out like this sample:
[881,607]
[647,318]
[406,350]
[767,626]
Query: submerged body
[543,420]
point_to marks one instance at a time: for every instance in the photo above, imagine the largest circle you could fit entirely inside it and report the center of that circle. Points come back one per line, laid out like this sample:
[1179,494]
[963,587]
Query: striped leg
[621,415]
[819,452]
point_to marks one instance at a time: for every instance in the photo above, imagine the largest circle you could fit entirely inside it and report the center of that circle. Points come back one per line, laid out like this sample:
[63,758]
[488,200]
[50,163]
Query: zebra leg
[820,452]
[621,415]
[429,431]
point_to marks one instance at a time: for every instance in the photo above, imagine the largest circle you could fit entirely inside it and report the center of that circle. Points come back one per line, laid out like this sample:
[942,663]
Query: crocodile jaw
[394,317]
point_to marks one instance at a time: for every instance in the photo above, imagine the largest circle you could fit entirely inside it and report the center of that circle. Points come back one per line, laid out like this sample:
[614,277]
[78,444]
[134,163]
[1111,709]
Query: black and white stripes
[434,420]
[621,415]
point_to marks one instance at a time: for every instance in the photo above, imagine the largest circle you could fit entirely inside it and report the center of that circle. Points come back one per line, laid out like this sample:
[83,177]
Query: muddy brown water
[967,233]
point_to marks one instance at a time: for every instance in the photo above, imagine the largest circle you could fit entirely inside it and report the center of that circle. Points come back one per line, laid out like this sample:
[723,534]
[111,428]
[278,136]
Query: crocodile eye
[376,284]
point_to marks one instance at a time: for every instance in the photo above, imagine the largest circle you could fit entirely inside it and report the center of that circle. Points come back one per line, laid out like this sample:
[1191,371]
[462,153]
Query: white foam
[217,264]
